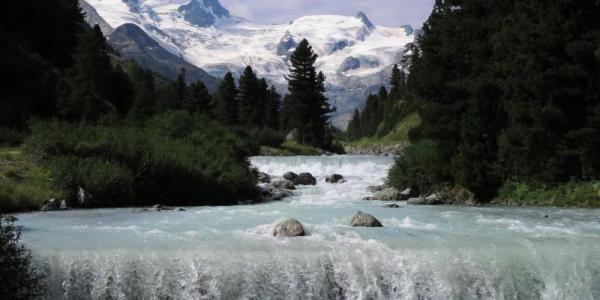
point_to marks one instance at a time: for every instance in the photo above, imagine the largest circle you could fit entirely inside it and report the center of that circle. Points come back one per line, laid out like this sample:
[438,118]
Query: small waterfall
[229,253]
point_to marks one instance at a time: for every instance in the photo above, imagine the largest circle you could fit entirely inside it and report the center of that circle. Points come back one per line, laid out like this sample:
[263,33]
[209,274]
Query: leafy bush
[18,279]
[111,183]
[176,159]
[417,167]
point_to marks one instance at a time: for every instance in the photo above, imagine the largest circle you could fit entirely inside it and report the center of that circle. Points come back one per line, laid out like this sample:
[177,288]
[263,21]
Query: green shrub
[571,194]
[417,167]
[110,183]
[176,159]
[11,137]
[18,279]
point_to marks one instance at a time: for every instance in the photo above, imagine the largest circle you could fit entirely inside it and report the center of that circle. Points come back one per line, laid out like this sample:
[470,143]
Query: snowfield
[354,54]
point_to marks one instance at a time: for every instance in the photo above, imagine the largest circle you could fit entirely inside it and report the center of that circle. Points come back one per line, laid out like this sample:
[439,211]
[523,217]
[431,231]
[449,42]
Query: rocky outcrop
[305,179]
[433,199]
[365,220]
[376,149]
[335,178]
[377,188]
[289,228]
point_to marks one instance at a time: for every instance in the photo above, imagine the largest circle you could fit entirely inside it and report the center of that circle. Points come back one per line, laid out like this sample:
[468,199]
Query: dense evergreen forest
[105,125]
[508,93]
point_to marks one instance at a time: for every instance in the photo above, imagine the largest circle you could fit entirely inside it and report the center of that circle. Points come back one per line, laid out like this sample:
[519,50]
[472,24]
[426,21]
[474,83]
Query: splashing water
[422,252]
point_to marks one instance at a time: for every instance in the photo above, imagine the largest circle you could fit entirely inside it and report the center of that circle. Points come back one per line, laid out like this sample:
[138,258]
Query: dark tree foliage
[197,98]
[247,96]
[18,279]
[32,54]
[226,107]
[144,88]
[510,91]
[272,108]
[306,107]
[93,87]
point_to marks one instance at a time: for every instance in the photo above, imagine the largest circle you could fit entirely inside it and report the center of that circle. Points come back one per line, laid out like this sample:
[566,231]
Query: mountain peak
[203,13]
[363,17]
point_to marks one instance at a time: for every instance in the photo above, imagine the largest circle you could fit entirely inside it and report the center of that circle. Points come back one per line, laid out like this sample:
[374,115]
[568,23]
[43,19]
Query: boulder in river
[408,193]
[365,220]
[392,205]
[271,193]
[305,179]
[388,194]
[282,184]
[291,176]
[263,177]
[433,199]
[289,228]
[335,178]
[51,205]
[376,188]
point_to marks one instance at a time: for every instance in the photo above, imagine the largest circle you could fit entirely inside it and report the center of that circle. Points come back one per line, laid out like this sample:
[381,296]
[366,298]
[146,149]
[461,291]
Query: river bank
[432,252]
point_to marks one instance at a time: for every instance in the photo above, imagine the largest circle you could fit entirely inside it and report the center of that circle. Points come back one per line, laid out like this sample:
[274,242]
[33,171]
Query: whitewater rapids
[423,252]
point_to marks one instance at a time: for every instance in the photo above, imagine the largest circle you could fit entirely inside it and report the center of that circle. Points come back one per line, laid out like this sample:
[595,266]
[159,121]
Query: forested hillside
[509,92]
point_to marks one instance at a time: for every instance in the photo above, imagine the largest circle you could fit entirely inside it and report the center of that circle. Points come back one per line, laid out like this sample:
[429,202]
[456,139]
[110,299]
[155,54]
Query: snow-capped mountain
[354,54]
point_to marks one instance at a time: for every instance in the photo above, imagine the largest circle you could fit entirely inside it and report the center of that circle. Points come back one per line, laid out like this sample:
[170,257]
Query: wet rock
[282,184]
[291,176]
[417,201]
[433,199]
[159,207]
[10,219]
[270,193]
[181,209]
[408,193]
[84,198]
[365,220]
[141,210]
[391,206]
[305,179]
[335,178]
[376,188]
[263,177]
[63,205]
[289,228]
[51,205]
[388,194]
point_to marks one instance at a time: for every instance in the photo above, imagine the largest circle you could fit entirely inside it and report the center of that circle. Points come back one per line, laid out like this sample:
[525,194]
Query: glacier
[355,54]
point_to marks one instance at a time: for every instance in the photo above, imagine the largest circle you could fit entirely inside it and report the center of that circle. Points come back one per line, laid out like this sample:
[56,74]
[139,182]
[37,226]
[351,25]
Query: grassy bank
[24,185]
[397,136]
[289,148]
[572,194]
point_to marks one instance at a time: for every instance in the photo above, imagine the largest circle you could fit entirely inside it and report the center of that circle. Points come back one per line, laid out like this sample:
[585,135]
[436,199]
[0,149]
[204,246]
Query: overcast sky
[381,12]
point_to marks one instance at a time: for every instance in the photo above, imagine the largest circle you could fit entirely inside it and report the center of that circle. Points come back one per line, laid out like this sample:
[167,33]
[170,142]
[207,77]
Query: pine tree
[307,107]
[180,86]
[226,107]
[197,98]
[272,108]
[87,91]
[144,100]
[354,127]
[247,96]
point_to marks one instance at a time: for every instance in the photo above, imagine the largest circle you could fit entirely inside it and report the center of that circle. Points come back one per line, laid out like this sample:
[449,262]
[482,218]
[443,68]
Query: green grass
[24,185]
[398,135]
[572,194]
[289,148]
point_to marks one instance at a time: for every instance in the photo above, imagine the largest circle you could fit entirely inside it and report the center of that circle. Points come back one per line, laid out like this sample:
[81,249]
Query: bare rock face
[365,220]
[305,179]
[289,228]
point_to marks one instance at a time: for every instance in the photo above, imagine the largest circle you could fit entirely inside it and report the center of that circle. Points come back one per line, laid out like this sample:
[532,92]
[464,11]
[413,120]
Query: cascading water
[446,252]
